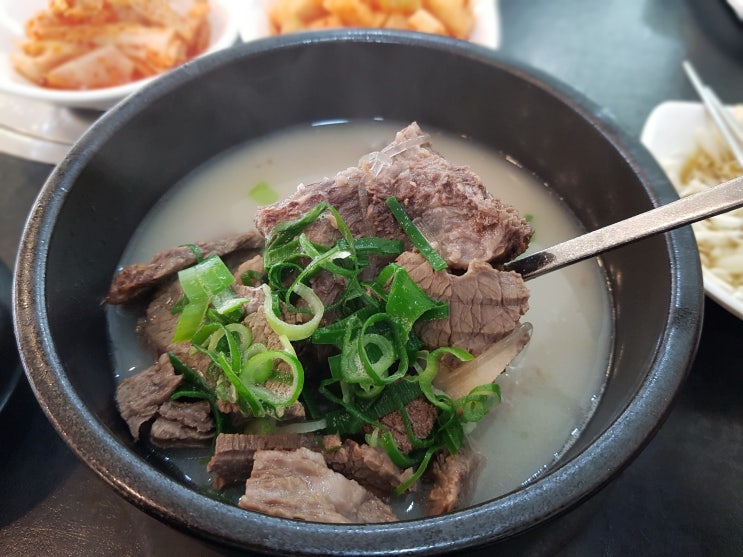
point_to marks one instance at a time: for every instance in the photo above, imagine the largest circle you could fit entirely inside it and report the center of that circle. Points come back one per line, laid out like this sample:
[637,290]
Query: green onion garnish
[415,235]
[207,282]
[379,366]
[263,194]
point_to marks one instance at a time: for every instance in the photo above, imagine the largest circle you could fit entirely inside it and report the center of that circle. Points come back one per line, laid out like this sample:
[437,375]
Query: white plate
[14,14]
[671,132]
[253,20]
[40,131]
[737,6]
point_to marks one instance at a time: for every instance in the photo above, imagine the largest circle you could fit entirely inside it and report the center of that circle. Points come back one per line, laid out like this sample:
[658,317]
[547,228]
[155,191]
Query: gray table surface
[682,496]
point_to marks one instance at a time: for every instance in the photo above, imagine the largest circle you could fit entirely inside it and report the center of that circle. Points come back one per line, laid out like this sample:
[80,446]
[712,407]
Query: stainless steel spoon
[719,199]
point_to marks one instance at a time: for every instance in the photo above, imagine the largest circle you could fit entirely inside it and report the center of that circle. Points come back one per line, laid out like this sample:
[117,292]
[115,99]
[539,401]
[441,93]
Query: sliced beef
[454,478]
[253,291]
[140,396]
[299,485]
[145,397]
[254,264]
[197,361]
[240,419]
[448,202]
[254,295]
[136,280]
[262,331]
[157,326]
[485,304]
[182,424]
[422,416]
[233,456]
[370,466]
[328,288]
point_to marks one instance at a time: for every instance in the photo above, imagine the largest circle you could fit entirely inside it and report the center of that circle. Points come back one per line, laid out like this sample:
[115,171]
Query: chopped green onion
[226,301]
[196,250]
[249,368]
[475,405]
[239,329]
[426,377]
[263,194]
[323,261]
[451,432]
[372,327]
[407,484]
[385,352]
[334,333]
[297,331]
[286,231]
[205,283]
[205,279]
[256,373]
[379,375]
[256,408]
[390,446]
[190,319]
[407,302]
[251,277]
[374,246]
[415,235]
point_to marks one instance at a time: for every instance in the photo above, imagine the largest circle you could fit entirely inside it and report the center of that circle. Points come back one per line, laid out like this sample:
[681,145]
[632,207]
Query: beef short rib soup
[334,361]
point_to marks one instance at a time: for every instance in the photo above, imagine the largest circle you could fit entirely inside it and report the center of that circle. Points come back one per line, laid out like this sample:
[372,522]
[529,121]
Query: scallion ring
[297,331]
[260,368]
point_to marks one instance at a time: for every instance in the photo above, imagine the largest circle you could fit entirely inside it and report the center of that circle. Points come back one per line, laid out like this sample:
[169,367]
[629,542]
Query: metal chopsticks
[731,131]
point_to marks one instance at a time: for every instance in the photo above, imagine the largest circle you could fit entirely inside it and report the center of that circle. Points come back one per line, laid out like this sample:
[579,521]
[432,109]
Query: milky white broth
[547,396]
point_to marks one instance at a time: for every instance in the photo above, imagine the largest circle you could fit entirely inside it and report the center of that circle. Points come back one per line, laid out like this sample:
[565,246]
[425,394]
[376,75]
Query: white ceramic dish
[14,14]
[40,131]
[737,6]
[253,21]
[672,131]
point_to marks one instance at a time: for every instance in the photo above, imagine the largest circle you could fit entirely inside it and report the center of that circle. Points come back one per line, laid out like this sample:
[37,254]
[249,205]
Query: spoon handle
[719,199]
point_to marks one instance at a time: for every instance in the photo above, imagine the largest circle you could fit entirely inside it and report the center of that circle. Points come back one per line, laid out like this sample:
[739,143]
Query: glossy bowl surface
[94,200]
[11,373]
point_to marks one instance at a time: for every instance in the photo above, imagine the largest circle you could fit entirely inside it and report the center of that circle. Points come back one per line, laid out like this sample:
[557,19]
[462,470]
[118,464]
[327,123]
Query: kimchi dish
[92,44]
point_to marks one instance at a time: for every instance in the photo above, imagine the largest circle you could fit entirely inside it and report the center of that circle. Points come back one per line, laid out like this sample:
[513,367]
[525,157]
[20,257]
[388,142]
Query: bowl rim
[481,524]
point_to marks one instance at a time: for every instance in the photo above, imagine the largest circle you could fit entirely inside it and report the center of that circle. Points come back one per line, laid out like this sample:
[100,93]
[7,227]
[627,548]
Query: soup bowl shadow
[93,202]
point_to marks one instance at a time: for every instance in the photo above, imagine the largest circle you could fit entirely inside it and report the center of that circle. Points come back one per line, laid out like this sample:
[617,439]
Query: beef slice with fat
[449,203]
[299,485]
[140,396]
[485,304]
[135,281]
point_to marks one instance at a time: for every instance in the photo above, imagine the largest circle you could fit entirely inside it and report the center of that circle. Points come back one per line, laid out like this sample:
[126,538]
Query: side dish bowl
[95,199]
[673,131]
[13,16]
[253,23]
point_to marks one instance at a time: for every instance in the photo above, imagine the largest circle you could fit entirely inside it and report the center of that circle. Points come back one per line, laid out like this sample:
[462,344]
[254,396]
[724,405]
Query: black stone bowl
[94,200]
[11,372]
